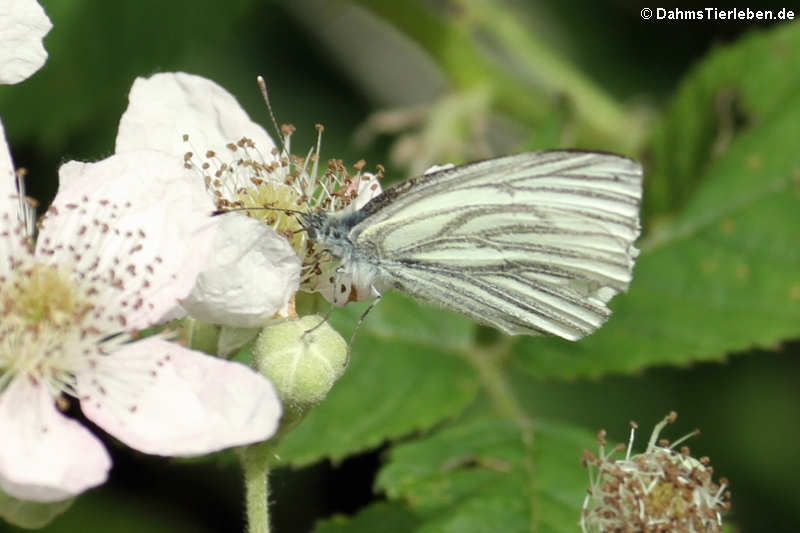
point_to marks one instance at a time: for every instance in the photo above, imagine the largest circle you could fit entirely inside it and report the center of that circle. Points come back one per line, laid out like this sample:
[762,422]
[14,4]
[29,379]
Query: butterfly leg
[324,319]
[361,321]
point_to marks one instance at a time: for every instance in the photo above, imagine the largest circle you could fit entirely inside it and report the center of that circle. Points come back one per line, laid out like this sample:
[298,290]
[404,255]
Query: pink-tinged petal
[45,456]
[10,216]
[23,25]
[252,274]
[165,107]
[138,222]
[161,398]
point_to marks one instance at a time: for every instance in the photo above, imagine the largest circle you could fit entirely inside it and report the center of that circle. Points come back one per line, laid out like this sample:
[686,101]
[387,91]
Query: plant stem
[201,336]
[255,466]
[490,366]
[491,373]
[557,75]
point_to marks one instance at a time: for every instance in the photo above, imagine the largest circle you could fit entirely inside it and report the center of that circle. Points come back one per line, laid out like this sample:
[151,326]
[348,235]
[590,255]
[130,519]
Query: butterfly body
[359,267]
[532,243]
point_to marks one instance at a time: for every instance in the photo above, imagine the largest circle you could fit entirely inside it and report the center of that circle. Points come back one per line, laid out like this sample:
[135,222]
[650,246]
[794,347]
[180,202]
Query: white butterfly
[530,244]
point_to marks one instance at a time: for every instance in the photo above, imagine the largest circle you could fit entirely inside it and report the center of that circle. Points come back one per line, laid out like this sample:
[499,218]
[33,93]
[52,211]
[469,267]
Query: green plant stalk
[592,105]
[467,67]
[255,467]
[454,50]
[490,365]
[201,336]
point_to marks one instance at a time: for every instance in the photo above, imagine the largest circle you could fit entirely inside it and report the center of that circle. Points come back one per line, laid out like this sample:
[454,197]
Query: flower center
[271,188]
[46,330]
[665,500]
[273,204]
[43,294]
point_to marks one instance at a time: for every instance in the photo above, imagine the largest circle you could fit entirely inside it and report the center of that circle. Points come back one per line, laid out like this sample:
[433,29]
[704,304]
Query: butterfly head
[331,231]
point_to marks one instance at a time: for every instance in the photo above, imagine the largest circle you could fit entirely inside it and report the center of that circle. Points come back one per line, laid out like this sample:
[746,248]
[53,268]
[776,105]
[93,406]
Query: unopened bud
[303,358]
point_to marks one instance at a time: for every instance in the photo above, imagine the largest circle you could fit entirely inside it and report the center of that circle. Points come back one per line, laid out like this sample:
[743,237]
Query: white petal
[368,188]
[252,274]
[23,25]
[138,215]
[161,398]
[45,456]
[10,245]
[167,106]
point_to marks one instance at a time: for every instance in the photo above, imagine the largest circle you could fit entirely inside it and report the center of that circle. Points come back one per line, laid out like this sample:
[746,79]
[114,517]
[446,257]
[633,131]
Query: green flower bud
[303,358]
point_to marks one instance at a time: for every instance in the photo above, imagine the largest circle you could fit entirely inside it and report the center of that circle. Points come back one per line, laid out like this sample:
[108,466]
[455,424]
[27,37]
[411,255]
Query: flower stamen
[658,491]
[275,189]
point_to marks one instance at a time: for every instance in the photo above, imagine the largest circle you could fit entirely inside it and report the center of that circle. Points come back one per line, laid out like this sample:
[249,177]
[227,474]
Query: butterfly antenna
[262,85]
[267,207]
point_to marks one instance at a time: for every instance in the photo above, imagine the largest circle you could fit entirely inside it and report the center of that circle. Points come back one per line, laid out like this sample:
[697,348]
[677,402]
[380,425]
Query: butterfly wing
[532,243]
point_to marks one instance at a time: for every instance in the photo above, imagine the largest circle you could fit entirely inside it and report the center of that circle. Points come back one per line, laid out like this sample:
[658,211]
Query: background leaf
[382,516]
[485,474]
[715,104]
[723,275]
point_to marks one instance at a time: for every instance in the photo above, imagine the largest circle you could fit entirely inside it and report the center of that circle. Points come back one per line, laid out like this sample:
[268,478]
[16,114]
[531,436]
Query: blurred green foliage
[460,429]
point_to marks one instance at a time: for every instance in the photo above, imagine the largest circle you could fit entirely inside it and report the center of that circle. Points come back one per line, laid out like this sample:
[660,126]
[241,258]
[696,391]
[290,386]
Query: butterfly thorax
[332,233]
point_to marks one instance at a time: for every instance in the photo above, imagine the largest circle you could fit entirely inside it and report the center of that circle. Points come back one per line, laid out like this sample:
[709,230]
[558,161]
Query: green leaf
[406,374]
[723,276]
[486,474]
[714,104]
[386,517]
